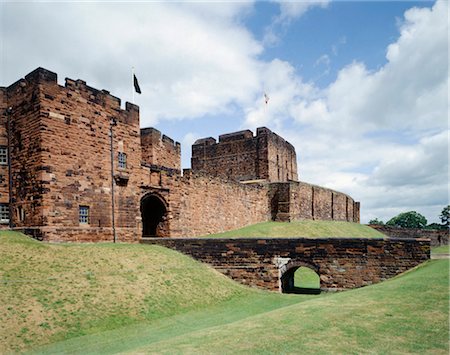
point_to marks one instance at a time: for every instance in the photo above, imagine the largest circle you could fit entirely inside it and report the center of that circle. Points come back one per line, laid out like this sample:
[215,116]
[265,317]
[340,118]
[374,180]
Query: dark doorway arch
[300,278]
[154,216]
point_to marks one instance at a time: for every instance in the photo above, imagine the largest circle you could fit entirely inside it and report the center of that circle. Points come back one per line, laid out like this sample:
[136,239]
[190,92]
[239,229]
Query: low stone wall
[342,263]
[80,234]
[437,237]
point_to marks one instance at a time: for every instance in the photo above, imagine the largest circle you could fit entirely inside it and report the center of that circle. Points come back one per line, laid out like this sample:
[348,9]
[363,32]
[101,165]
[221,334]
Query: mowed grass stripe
[51,292]
[304,229]
[408,314]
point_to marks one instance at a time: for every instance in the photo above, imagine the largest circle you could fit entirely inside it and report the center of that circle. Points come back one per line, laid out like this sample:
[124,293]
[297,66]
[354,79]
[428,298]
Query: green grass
[306,229]
[51,292]
[407,314]
[443,249]
[306,278]
[105,298]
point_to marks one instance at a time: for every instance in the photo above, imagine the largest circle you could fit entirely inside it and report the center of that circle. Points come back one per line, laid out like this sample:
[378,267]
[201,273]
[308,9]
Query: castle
[75,166]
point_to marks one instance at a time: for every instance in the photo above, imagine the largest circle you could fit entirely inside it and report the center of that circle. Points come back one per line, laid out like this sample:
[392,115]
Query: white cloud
[194,59]
[379,135]
[289,11]
[191,59]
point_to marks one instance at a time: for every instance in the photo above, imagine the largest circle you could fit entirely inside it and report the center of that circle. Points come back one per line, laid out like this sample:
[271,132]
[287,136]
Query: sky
[359,88]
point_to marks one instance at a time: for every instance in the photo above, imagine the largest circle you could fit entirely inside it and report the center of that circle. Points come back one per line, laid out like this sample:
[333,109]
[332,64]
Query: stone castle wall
[61,162]
[437,237]
[199,204]
[54,172]
[4,171]
[243,156]
[159,149]
[300,200]
[342,263]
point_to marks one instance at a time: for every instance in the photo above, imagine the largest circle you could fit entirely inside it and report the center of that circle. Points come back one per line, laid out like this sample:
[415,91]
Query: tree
[376,221]
[410,219]
[445,216]
[435,226]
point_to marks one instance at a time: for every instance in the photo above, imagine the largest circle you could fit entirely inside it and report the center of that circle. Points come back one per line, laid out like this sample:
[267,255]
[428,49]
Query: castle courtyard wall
[61,161]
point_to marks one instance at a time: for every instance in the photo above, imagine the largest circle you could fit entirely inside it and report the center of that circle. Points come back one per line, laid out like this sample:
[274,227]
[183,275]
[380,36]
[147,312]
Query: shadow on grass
[303,291]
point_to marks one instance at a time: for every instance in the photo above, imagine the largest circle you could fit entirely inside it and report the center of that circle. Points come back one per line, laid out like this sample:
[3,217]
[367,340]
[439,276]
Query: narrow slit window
[84,215]
[122,160]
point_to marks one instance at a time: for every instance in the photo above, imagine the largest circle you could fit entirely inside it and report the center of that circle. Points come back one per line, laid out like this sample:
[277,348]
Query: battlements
[41,76]
[244,156]
[159,149]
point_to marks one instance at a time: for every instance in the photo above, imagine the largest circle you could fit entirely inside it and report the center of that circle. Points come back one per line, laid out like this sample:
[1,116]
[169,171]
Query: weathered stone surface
[341,263]
[61,160]
[159,149]
[437,237]
[242,156]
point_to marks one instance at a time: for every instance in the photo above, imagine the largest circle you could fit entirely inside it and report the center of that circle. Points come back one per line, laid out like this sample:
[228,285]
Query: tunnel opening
[300,280]
[154,217]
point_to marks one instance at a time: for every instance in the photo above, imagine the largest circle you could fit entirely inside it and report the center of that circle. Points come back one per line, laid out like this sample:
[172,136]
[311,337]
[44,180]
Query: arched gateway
[154,216]
[288,276]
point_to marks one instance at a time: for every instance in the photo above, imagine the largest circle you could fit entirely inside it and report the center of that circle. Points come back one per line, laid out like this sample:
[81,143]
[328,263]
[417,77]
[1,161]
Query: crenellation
[64,160]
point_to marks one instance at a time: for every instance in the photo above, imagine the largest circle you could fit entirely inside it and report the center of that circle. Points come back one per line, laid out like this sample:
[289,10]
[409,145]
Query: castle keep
[75,166]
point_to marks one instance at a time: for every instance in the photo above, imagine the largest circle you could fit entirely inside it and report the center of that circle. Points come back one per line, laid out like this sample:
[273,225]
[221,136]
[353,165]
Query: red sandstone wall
[4,176]
[300,200]
[341,263]
[71,143]
[243,156]
[159,149]
[208,205]
[27,167]
[282,160]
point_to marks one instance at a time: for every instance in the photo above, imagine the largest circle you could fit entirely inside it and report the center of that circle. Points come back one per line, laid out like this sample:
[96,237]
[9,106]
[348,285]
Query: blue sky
[360,88]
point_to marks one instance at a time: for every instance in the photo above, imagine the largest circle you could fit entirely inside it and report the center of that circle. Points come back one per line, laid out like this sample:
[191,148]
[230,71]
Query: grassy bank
[306,229]
[50,292]
[105,298]
[407,314]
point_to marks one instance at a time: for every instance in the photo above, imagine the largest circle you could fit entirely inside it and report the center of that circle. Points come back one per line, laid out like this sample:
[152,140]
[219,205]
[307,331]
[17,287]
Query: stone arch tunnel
[154,211]
[342,263]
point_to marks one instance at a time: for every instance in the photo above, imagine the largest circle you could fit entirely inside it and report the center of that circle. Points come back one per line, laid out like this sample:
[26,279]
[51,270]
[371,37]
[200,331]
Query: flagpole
[132,82]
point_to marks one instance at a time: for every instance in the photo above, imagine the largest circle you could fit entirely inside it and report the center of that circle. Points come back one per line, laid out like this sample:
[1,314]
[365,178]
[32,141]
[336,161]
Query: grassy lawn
[306,229]
[306,278]
[51,292]
[443,249]
[106,298]
[407,314]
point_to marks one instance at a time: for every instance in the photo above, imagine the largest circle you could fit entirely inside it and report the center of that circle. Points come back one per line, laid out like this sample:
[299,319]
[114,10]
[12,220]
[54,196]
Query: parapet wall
[158,149]
[437,237]
[342,263]
[243,156]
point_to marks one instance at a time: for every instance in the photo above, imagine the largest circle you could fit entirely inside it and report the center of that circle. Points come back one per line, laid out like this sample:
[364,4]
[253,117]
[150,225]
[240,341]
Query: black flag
[136,85]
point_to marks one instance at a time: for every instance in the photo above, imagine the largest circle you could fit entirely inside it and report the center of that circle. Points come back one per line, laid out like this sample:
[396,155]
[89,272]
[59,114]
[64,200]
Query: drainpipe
[113,123]
[9,112]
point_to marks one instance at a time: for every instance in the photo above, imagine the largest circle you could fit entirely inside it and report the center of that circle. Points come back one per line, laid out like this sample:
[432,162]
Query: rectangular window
[3,155]
[84,214]
[4,213]
[122,160]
